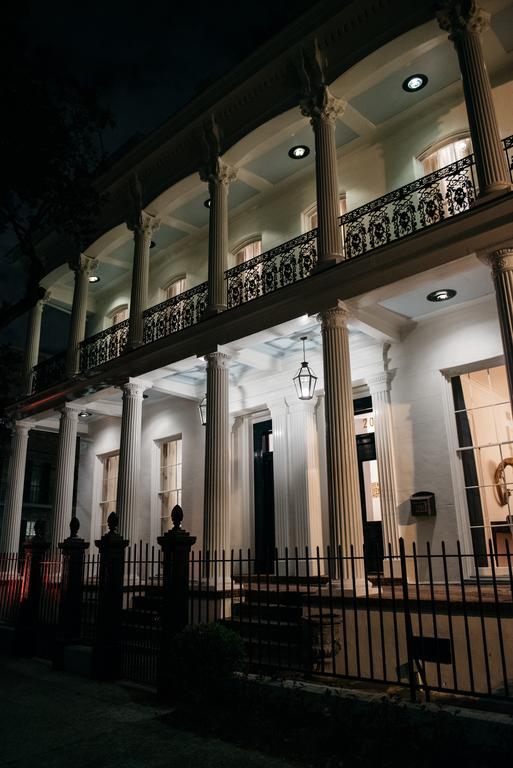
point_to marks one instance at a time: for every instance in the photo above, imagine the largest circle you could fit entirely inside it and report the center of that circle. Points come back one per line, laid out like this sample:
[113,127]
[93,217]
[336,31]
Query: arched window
[248,250]
[174,288]
[445,152]
[118,315]
[310,218]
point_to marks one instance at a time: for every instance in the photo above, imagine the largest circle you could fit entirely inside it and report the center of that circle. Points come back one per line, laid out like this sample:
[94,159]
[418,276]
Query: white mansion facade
[351,183]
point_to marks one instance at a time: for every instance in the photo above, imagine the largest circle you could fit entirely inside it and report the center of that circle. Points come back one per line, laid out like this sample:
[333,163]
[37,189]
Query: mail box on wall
[423,504]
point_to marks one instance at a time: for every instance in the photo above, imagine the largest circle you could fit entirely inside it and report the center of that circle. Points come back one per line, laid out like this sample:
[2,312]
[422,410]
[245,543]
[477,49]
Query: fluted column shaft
[32,343]
[218,175]
[83,267]
[501,262]
[323,109]
[279,418]
[217,456]
[305,529]
[11,523]
[65,475]
[379,386]
[465,22]
[143,230]
[345,518]
[129,470]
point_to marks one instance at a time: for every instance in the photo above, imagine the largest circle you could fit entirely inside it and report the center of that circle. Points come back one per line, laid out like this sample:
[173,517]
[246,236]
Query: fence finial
[112,522]
[74,525]
[177,517]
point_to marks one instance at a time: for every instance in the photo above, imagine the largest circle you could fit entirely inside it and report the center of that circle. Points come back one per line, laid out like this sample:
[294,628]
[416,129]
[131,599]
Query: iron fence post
[28,618]
[106,649]
[72,581]
[407,622]
[176,546]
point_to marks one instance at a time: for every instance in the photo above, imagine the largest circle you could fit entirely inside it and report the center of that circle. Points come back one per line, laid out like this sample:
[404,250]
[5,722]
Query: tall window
[118,315]
[485,437]
[311,219]
[248,251]
[109,487]
[170,479]
[446,154]
[174,288]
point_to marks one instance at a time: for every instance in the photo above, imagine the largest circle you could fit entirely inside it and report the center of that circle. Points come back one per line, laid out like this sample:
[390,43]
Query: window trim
[307,213]
[164,288]
[155,502]
[439,144]
[110,315]
[249,240]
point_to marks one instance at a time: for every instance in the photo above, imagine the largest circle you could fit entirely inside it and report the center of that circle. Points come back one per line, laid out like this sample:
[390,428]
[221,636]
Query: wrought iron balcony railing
[175,314]
[103,346]
[49,372]
[274,269]
[409,209]
[430,200]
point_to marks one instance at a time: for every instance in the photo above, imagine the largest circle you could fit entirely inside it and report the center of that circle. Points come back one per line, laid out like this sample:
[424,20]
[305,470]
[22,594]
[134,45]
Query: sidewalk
[52,720]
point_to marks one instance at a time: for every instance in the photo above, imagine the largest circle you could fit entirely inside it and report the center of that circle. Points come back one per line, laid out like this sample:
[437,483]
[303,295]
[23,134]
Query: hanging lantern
[203,411]
[305,380]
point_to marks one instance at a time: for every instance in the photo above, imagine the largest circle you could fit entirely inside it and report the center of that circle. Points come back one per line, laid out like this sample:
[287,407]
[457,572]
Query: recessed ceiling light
[94,279]
[415,83]
[207,203]
[84,414]
[299,152]
[442,295]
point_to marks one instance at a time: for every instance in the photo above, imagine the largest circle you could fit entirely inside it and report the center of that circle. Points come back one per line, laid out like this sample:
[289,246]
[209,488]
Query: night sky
[145,60]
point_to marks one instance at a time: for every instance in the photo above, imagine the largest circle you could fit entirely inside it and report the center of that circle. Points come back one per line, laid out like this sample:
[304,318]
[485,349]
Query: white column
[32,343]
[66,453]
[241,536]
[217,457]
[129,470]
[143,230]
[379,386]
[279,416]
[83,267]
[323,109]
[345,515]
[11,523]
[305,525]
[501,262]
[465,22]
[218,175]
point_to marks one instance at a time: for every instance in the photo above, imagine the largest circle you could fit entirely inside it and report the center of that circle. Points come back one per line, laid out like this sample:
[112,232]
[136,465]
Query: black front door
[372,529]
[264,497]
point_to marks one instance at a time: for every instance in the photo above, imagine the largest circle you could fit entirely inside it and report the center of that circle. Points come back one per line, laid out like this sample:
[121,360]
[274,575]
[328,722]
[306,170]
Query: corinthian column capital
[335,317]
[459,17]
[144,223]
[217,360]
[501,260]
[216,171]
[83,264]
[320,104]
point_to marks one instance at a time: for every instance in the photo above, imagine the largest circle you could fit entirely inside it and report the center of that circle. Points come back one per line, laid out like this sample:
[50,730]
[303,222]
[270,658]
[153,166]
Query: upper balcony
[403,213]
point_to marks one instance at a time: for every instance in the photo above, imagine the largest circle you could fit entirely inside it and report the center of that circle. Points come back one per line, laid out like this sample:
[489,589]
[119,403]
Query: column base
[327,263]
[492,192]
[214,310]
[350,588]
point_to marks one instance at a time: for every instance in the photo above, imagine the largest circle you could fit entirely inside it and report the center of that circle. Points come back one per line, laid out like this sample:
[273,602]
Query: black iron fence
[175,314]
[427,622]
[104,346]
[49,372]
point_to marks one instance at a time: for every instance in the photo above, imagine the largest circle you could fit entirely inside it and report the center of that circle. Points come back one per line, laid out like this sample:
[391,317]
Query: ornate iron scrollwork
[175,314]
[274,269]
[49,372]
[104,346]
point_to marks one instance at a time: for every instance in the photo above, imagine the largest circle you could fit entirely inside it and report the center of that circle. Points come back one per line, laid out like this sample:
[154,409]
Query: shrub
[202,659]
